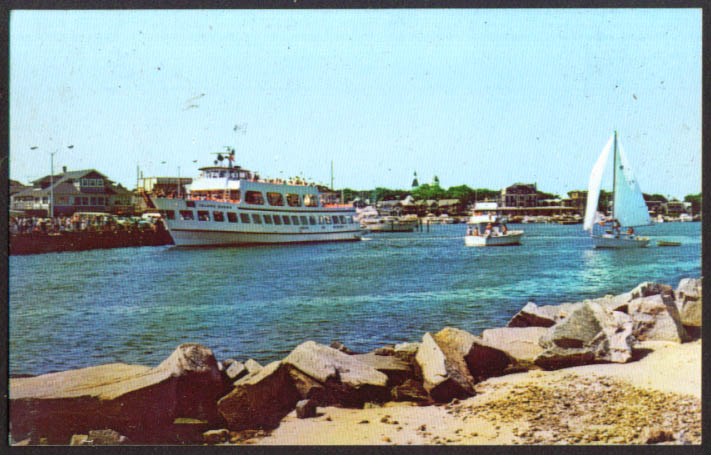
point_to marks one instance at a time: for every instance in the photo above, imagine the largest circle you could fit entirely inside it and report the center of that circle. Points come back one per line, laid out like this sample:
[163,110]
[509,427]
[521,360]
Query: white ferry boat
[228,205]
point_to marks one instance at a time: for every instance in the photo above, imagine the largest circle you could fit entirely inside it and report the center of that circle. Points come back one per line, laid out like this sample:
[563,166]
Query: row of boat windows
[257,197]
[257,218]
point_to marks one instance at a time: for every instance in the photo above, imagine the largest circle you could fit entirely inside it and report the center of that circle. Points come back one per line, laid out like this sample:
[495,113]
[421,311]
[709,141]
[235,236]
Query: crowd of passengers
[59,224]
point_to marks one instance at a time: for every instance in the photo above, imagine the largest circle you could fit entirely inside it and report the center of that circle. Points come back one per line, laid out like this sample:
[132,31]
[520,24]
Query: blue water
[135,305]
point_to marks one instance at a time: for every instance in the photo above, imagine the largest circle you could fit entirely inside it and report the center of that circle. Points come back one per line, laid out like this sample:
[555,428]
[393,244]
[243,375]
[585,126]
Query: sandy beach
[593,404]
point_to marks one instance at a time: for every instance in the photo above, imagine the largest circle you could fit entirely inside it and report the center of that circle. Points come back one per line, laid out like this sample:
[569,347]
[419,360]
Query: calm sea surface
[135,305]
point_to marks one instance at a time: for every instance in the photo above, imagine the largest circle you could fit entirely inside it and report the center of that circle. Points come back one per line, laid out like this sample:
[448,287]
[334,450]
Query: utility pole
[331,175]
[51,184]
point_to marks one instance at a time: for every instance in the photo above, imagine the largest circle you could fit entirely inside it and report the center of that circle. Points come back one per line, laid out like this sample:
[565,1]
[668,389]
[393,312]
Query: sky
[484,98]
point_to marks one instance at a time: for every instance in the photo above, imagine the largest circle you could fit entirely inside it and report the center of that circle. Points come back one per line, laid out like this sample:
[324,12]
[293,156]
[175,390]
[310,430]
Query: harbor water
[136,305]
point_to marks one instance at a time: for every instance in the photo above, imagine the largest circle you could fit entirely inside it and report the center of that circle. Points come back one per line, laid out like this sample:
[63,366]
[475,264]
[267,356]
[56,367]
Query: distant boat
[628,206]
[668,243]
[389,223]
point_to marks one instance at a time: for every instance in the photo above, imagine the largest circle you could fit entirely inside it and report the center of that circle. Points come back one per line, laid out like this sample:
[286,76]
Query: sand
[594,404]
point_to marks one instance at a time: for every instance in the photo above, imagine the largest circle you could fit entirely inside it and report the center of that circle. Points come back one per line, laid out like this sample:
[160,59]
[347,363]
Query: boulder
[444,370]
[690,288]
[236,370]
[139,402]
[410,390]
[532,315]
[252,366]
[216,436]
[395,369]
[348,380]
[337,345]
[657,318]
[305,409]
[309,388]
[520,343]
[647,289]
[260,400]
[691,314]
[591,334]
[105,437]
[406,352]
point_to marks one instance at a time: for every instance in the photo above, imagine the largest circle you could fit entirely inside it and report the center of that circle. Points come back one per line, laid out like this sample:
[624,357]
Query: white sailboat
[628,206]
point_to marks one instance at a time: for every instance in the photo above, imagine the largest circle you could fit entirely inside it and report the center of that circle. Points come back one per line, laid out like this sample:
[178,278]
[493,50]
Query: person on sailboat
[630,232]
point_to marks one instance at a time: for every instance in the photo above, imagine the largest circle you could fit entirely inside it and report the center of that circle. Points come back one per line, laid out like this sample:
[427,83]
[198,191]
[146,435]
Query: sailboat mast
[614,176]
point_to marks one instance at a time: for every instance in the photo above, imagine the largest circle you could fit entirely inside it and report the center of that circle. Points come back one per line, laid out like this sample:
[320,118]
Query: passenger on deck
[487,232]
[630,232]
[504,229]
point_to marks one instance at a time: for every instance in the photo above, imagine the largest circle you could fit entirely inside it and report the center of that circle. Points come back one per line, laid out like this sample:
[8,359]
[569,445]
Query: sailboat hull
[619,242]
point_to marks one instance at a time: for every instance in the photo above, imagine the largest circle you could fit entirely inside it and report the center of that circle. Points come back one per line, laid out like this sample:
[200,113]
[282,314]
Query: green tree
[654,197]
[695,200]
[426,191]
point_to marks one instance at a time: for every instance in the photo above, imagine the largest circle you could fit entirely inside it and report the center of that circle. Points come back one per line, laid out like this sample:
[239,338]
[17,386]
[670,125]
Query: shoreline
[625,368]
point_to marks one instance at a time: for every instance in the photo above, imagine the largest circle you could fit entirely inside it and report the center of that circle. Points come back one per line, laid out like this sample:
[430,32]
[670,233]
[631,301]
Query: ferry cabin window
[244,217]
[293,200]
[275,199]
[232,217]
[203,215]
[268,219]
[286,219]
[277,219]
[343,219]
[304,220]
[168,214]
[234,195]
[186,215]
[190,203]
[310,200]
[254,197]
[256,218]
[295,220]
[218,216]
[335,219]
[326,219]
[312,219]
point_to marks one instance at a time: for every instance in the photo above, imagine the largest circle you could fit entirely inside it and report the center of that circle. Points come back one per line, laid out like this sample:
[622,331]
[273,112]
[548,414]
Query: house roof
[71,175]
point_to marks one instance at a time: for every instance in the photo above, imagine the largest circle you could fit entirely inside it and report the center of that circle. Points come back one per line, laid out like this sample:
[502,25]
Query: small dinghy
[667,243]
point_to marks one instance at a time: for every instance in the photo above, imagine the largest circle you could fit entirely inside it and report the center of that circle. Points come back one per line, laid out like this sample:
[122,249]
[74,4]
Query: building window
[293,200]
[93,200]
[187,215]
[254,197]
[77,201]
[85,201]
[232,217]
[256,218]
[268,219]
[275,199]
[295,220]
[286,219]
[218,216]
[203,215]
[277,219]
[244,217]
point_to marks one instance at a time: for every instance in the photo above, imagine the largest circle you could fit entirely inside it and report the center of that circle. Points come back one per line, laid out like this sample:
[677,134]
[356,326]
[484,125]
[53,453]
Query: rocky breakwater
[191,398]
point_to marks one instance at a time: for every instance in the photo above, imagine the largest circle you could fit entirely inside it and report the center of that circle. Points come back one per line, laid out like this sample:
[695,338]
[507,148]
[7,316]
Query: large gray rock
[690,287]
[647,289]
[236,370]
[406,352]
[260,400]
[395,369]
[591,334]
[657,318]
[532,315]
[443,378]
[520,343]
[137,401]
[349,381]
[323,363]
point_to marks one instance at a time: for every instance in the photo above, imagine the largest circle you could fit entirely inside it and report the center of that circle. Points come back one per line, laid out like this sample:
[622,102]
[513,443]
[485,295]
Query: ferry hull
[621,242]
[391,227]
[218,238]
[511,238]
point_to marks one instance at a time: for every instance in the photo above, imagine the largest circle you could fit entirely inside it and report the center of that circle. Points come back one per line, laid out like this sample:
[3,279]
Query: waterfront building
[577,199]
[674,208]
[520,195]
[76,191]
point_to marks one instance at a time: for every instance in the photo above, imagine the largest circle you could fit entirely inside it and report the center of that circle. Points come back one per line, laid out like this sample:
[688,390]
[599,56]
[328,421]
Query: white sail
[629,205]
[594,186]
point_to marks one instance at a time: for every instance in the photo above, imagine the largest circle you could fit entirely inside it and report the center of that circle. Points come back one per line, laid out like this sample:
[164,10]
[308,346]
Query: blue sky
[484,98]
